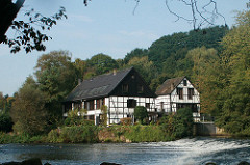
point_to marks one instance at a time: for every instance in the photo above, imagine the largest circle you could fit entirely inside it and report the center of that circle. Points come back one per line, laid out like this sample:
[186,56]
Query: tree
[140,113]
[145,67]
[28,111]
[56,76]
[135,53]
[234,101]
[103,117]
[102,63]
[183,122]
[206,77]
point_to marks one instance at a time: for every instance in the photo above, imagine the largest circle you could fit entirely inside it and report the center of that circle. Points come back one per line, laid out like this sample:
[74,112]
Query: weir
[208,129]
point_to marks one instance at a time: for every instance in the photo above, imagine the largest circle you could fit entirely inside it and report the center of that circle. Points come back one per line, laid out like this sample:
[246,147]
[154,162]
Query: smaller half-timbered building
[178,93]
[119,91]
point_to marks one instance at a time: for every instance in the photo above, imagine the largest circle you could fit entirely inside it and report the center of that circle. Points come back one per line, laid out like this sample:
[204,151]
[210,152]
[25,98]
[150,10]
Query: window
[184,82]
[98,104]
[92,105]
[190,93]
[140,88]
[180,93]
[162,107]
[131,103]
[125,88]
[147,105]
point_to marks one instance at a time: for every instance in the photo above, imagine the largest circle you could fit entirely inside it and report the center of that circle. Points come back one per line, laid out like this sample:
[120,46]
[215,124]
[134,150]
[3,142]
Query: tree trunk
[8,12]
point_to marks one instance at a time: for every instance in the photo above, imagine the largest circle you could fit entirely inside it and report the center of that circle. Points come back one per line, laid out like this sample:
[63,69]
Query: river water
[181,152]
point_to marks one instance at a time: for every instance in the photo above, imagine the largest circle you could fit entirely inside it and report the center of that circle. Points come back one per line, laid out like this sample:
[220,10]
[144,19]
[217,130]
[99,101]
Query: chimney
[115,71]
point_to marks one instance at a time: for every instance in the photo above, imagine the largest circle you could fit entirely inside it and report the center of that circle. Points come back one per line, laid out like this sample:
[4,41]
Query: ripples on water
[180,152]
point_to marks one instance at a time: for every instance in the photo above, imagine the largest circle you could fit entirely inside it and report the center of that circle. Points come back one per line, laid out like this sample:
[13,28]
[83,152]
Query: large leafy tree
[145,67]
[235,98]
[56,76]
[102,63]
[207,79]
[28,111]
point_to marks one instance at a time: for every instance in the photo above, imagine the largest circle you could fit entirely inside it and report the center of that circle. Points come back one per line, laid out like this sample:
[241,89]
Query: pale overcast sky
[107,27]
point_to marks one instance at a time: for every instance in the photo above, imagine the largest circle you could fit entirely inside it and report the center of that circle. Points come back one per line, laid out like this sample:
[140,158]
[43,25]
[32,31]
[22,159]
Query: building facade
[120,92]
[178,93]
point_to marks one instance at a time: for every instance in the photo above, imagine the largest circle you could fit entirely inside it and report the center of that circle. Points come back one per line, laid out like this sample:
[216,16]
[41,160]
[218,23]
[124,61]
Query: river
[181,152]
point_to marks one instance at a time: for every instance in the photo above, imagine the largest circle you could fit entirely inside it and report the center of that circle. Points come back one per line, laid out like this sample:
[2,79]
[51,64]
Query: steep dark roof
[168,86]
[97,87]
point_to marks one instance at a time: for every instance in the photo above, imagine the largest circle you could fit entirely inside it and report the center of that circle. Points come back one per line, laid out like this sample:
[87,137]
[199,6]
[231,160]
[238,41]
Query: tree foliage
[56,76]
[102,63]
[140,113]
[28,111]
[30,34]
[234,101]
[178,125]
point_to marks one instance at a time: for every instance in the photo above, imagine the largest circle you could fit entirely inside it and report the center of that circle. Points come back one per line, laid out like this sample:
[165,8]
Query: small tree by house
[103,116]
[140,113]
[183,122]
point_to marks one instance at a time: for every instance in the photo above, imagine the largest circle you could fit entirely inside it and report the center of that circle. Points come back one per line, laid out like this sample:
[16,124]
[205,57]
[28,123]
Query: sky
[112,27]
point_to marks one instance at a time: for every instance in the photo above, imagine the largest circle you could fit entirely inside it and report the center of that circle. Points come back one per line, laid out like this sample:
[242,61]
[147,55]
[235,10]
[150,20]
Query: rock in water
[106,163]
[244,163]
[34,161]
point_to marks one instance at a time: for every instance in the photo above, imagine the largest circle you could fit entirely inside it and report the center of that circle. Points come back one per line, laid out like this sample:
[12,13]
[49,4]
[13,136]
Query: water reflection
[184,151]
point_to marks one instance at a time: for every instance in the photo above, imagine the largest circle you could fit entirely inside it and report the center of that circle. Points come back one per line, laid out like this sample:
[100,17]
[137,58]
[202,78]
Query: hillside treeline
[215,59]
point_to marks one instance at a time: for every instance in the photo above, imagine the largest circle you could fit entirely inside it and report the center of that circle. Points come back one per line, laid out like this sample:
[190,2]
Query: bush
[5,123]
[53,136]
[146,134]
[79,134]
[183,122]
[140,113]
[178,125]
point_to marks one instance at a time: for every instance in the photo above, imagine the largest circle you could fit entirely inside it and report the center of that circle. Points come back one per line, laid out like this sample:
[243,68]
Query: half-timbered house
[119,91]
[178,93]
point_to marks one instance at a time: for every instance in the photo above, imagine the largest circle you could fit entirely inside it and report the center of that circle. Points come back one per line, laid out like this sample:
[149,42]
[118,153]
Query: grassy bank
[92,134]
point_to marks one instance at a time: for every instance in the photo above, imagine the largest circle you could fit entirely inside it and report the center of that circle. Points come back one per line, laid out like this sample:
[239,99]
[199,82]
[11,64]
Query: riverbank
[93,134]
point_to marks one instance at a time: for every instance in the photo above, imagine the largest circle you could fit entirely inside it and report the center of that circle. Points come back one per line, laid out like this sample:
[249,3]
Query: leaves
[30,36]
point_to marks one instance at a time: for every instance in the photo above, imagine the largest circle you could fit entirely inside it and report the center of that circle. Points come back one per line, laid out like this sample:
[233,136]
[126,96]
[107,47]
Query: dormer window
[184,82]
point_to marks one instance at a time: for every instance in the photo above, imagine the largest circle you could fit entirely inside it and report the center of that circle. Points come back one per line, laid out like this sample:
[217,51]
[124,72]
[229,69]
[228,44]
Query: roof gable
[99,86]
[169,85]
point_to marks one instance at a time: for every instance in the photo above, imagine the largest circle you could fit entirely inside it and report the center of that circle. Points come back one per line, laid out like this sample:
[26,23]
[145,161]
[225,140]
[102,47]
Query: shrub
[53,136]
[140,113]
[5,123]
[183,122]
[146,134]
[79,134]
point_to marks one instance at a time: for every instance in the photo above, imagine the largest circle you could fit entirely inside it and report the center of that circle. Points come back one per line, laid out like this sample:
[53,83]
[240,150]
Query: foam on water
[203,150]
